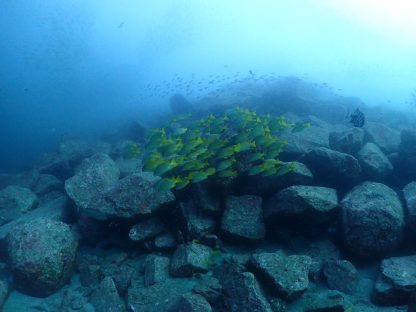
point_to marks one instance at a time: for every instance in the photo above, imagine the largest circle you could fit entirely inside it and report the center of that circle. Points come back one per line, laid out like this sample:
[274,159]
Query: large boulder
[409,194]
[407,153]
[94,175]
[15,201]
[396,282]
[308,207]
[41,255]
[372,219]
[386,138]
[332,167]
[243,218]
[134,196]
[348,141]
[375,164]
[46,183]
[298,200]
[303,142]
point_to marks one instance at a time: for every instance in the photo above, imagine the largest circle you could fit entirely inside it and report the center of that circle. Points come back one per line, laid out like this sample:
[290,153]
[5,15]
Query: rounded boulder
[372,220]
[41,255]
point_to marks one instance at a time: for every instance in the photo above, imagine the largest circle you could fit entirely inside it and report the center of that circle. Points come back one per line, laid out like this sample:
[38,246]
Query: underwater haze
[79,68]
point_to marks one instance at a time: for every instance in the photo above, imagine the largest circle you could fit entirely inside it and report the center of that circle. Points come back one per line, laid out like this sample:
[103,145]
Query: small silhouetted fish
[251,72]
[357,118]
[121,25]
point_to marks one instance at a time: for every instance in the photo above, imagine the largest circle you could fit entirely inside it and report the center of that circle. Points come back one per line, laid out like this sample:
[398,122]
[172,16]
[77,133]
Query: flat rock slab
[287,276]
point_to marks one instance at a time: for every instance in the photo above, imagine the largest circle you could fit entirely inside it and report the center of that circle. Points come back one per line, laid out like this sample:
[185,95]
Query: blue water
[75,69]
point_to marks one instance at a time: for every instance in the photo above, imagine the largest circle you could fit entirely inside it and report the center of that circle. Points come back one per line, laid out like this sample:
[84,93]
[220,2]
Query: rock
[15,201]
[257,184]
[105,298]
[4,291]
[286,276]
[207,199]
[374,163]
[299,200]
[341,275]
[46,183]
[324,300]
[333,167]
[397,280]
[75,300]
[89,268]
[94,175]
[70,153]
[242,291]
[120,149]
[158,297]
[156,269]
[278,305]
[412,303]
[41,255]
[304,141]
[212,241]
[193,303]
[243,218]
[320,252]
[146,229]
[134,196]
[196,222]
[407,153]
[58,209]
[121,274]
[409,194]
[210,288]
[129,166]
[165,241]
[372,219]
[75,149]
[57,166]
[386,138]
[189,259]
[92,231]
[349,141]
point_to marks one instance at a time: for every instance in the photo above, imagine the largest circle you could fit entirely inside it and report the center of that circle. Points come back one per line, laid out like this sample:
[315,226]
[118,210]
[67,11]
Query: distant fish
[120,25]
[251,72]
[357,118]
